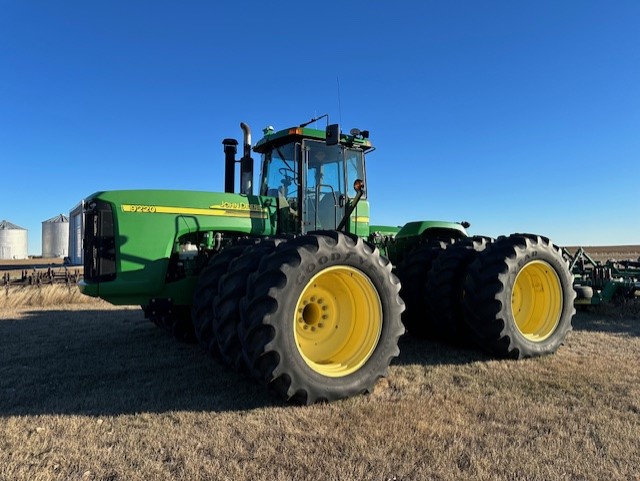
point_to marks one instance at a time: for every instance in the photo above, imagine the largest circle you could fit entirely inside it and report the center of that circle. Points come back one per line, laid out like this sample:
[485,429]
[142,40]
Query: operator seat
[327,211]
[283,202]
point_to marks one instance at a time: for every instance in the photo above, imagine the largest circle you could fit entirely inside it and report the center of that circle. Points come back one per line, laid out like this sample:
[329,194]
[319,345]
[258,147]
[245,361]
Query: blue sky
[515,116]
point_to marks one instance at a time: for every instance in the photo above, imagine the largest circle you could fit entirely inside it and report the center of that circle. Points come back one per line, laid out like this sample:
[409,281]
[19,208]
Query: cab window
[355,170]
[280,173]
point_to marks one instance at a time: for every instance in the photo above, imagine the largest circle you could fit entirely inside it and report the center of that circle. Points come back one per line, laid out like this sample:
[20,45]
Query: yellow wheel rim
[536,302]
[338,321]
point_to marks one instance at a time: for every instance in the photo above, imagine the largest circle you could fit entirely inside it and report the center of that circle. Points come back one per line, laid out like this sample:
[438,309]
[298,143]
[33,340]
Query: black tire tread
[206,291]
[486,306]
[261,320]
[413,272]
[444,289]
[226,306]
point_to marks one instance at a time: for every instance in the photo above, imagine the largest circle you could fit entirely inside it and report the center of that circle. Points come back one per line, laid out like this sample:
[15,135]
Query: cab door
[324,179]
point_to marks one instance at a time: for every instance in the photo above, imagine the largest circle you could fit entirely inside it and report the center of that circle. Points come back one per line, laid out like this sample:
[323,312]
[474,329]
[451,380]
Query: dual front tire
[318,320]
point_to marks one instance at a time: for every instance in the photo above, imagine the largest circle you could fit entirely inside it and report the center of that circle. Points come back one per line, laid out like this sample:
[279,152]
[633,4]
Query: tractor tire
[226,306]
[444,290]
[321,318]
[518,297]
[205,293]
[413,273]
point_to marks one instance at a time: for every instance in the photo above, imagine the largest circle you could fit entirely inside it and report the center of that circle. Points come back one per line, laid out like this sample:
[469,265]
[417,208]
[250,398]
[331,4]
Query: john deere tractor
[295,286]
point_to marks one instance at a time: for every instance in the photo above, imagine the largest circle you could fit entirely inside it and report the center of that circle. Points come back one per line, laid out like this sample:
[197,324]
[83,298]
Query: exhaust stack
[246,163]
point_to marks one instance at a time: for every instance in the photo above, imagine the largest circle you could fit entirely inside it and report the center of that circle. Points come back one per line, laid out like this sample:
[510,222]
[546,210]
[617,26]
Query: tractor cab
[316,177]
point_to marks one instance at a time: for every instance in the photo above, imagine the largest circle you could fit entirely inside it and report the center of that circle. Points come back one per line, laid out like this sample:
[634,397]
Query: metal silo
[55,237]
[13,241]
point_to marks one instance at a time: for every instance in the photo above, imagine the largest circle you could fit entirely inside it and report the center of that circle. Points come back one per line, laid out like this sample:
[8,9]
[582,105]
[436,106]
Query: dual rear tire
[519,296]
[512,297]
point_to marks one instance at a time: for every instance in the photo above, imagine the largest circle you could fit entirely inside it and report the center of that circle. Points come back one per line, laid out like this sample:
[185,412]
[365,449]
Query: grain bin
[55,236]
[13,241]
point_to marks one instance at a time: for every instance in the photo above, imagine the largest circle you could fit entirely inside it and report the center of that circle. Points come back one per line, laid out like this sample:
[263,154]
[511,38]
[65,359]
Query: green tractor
[295,286]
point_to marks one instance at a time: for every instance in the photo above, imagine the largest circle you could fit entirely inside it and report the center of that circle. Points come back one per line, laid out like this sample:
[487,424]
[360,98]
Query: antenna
[315,119]
[339,103]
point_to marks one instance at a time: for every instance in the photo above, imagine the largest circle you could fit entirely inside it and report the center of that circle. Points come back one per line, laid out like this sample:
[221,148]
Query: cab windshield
[312,182]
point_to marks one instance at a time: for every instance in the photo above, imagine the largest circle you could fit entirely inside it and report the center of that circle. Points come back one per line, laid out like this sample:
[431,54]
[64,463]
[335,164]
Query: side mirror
[332,134]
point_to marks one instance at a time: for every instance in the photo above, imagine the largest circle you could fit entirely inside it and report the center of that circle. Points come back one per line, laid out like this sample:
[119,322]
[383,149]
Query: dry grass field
[96,392]
[604,253]
[90,391]
[43,296]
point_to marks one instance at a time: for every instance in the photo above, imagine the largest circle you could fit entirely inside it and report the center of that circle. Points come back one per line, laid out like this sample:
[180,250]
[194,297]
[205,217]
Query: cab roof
[274,138]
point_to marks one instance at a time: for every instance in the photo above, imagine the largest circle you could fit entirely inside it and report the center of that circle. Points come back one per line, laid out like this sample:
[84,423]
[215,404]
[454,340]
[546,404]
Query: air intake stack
[230,149]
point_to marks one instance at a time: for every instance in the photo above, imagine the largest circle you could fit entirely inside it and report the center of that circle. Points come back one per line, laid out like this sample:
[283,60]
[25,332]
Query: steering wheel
[284,171]
[288,179]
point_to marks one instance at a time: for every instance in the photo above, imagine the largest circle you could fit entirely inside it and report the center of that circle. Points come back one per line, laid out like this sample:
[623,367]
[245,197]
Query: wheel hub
[338,321]
[536,301]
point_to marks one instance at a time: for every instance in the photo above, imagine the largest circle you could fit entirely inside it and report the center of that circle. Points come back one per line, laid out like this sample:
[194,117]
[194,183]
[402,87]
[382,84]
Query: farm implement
[295,286]
[40,277]
[597,282]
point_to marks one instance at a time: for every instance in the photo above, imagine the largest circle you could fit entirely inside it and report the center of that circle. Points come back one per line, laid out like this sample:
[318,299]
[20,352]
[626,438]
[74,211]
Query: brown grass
[97,392]
[34,261]
[43,296]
